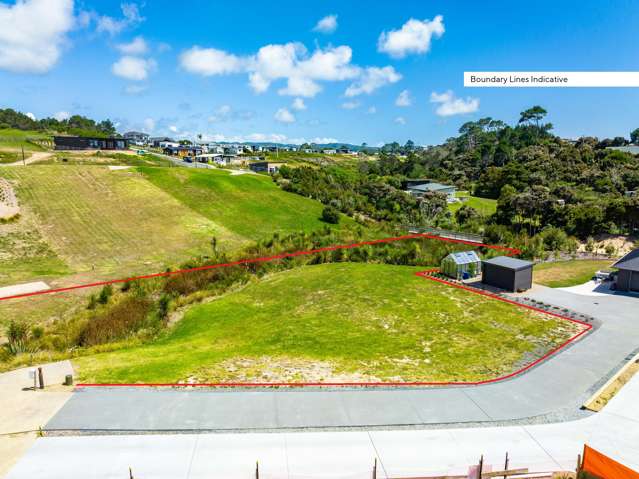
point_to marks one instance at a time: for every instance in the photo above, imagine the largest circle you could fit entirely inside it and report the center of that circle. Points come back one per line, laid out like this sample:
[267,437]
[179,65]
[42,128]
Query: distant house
[329,151]
[182,150]
[628,275]
[421,189]
[461,265]
[510,274]
[265,166]
[156,140]
[344,150]
[137,137]
[89,143]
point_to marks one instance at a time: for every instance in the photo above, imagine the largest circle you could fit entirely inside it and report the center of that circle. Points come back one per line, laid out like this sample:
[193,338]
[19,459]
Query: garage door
[634,281]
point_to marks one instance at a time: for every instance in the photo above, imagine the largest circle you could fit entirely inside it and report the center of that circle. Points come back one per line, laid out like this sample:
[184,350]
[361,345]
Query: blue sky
[269,71]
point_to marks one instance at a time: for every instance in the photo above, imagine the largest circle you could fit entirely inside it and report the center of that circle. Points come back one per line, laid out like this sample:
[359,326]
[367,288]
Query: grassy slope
[249,205]
[110,221]
[365,320]
[562,274]
[485,206]
[12,141]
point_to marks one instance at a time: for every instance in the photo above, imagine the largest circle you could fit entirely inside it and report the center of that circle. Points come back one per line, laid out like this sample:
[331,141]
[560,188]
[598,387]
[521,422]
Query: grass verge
[563,274]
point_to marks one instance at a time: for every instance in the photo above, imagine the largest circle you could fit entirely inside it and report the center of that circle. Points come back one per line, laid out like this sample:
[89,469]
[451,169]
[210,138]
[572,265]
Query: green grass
[105,158]
[338,322]
[251,206]
[484,206]
[14,140]
[562,274]
[106,222]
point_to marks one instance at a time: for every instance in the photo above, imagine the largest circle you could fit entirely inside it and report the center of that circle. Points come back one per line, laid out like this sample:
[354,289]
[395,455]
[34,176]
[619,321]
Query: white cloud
[372,79]
[291,62]
[210,61]
[137,46]
[449,105]
[62,115]
[328,24]
[133,68]
[33,33]
[173,128]
[404,99]
[149,125]
[284,116]
[350,105]
[113,26]
[371,110]
[415,36]
[298,104]
[400,120]
[266,138]
[30,115]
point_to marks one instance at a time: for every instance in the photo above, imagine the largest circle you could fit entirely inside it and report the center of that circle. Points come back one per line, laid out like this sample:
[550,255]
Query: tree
[634,136]
[466,214]
[534,114]
[330,215]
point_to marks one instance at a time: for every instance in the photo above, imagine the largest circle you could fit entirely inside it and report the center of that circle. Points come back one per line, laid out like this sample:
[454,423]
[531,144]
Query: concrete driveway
[552,391]
[399,453]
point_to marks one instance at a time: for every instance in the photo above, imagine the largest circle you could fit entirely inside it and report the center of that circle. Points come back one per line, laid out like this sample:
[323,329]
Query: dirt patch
[9,207]
[622,244]
[267,369]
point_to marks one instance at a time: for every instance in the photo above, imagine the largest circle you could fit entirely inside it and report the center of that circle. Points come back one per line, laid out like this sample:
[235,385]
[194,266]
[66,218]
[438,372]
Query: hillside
[343,322]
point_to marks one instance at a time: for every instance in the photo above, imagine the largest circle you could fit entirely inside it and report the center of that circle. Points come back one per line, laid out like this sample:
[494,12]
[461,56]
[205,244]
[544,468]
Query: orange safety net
[597,464]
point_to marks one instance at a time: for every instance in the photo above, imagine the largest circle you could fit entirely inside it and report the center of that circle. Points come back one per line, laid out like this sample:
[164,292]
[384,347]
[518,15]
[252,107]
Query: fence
[458,235]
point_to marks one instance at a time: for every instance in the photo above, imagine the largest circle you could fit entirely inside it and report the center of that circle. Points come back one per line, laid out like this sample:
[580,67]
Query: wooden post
[130,473]
[24,162]
[257,470]
[481,467]
[41,378]
[375,469]
[578,464]
[506,464]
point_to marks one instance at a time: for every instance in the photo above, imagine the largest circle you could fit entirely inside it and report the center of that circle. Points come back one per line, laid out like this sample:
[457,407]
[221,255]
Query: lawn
[562,274]
[251,206]
[338,322]
[485,206]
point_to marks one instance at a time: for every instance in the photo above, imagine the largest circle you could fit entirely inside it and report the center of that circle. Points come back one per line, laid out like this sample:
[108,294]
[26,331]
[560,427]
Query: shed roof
[508,262]
[629,262]
[464,257]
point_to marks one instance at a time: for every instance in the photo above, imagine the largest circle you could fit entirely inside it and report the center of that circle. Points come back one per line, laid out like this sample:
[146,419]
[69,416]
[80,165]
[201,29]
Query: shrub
[118,322]
[105,294]
[330,215]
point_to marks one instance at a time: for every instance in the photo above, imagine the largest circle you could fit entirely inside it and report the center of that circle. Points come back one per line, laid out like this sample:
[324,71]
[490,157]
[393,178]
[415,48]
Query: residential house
[329,151]
[89,143]
[156,140]
[421,189]
[182,150]
[137,137]
[265,166]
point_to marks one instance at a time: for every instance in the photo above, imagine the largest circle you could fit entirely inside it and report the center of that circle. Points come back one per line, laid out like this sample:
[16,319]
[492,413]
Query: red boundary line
[424,274]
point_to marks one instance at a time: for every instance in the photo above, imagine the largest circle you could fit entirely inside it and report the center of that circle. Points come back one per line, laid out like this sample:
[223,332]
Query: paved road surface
[543,447]
[552,391]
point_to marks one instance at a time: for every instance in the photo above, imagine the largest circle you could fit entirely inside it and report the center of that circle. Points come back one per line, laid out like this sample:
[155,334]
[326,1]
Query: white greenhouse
[462,265]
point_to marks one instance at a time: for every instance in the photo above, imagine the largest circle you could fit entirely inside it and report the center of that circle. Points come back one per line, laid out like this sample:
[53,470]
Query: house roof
[464,257]
[508,262]
[431,187]
[629,262]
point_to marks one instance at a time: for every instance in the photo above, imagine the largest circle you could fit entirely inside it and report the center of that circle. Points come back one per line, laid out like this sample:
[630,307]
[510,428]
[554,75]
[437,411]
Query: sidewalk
[614,431]
[23,411]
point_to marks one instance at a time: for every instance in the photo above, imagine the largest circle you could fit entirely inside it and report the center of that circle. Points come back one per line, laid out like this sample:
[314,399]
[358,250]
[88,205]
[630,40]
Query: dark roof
[629,262]
[508,262]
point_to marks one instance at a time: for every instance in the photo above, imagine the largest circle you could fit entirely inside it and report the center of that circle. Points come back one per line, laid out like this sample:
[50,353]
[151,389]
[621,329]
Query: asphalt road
[552,391]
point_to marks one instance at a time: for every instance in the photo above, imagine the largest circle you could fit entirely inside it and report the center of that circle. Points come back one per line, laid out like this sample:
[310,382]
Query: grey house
[421,189]
[628,275]
[507,273]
